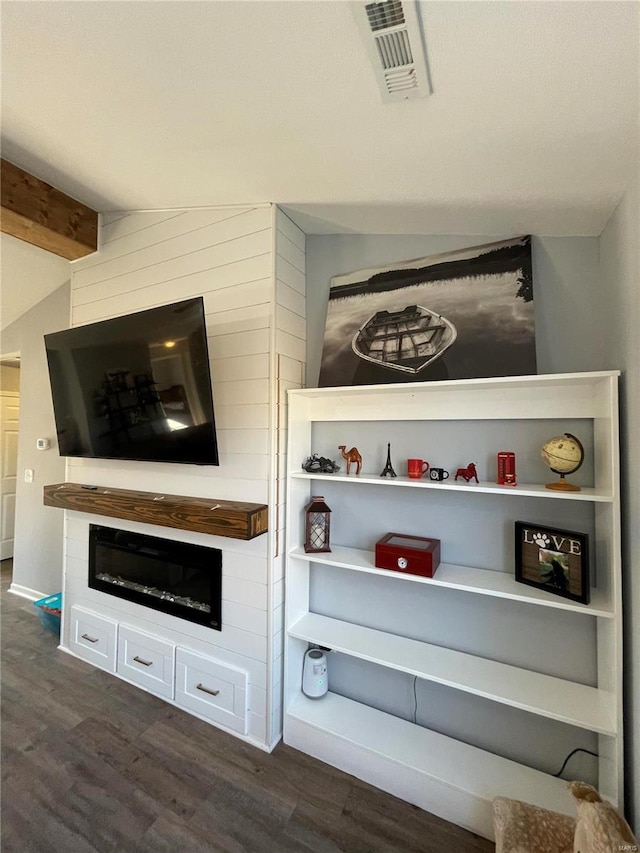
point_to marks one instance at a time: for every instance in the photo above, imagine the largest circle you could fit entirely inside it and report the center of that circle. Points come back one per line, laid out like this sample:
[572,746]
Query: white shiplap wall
[248,264]
[289,359]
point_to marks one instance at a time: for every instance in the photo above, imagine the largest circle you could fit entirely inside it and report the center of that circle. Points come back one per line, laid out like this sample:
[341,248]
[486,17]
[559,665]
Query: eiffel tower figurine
[388,468]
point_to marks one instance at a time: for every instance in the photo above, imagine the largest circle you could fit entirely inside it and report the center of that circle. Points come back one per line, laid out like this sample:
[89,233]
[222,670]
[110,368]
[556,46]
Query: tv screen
[135,387]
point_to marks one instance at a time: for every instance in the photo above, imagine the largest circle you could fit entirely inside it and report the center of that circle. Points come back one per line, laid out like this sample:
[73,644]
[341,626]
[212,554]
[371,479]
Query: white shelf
[569,395]
[462,578]
[556,698]
[530,490]
[449,778]
[585,380]
[454,764]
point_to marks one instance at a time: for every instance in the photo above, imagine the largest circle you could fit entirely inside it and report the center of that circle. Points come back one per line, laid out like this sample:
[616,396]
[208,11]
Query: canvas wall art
[457,315]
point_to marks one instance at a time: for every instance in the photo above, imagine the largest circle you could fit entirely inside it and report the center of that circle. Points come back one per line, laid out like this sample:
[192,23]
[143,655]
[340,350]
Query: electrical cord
[556,775]
[573,752]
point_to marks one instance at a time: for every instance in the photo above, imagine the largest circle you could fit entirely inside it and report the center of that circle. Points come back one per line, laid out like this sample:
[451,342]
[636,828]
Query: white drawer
[212,689]
[146,660]
[93,638]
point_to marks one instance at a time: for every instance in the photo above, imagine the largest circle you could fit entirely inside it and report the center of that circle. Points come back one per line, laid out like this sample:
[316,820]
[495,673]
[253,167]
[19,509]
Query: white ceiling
[532,126]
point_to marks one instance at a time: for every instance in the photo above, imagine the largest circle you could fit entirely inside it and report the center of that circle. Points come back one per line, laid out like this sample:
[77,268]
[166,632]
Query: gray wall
[570,336]
[568,297]
[37,561]
[620,255]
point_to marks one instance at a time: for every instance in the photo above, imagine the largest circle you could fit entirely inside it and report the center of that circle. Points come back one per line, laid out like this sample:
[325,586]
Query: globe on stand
[564,454]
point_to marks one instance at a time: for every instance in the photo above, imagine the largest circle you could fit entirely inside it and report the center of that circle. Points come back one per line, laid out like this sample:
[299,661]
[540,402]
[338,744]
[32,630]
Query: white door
[9,410]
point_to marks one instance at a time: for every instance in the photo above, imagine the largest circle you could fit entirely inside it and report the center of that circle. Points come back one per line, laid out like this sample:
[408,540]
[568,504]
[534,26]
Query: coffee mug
[438,474]
[416,468]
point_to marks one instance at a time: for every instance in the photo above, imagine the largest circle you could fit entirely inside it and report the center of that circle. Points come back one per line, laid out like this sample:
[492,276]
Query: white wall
[620,262]
[29,274]
[37,560]
[289,352]
[225,255]
[232,257]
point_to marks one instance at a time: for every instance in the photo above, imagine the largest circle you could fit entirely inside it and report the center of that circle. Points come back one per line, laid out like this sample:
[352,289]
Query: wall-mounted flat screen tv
[135,387]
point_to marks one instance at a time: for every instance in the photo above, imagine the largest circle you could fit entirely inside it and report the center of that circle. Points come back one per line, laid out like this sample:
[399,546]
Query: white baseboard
[274,743]
[452,804]
[25,592]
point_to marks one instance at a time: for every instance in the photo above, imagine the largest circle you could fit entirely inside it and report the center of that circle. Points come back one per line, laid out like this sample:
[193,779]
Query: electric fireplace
[181,579]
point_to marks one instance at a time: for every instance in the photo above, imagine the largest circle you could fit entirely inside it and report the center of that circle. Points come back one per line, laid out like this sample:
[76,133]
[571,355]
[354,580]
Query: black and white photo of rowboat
[407,340]
[461,314]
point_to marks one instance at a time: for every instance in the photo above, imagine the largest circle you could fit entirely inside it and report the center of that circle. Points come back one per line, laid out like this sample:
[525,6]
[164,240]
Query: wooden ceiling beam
[40,214]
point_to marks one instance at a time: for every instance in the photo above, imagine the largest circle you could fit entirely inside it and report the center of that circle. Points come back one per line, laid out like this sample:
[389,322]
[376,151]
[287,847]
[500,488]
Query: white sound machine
[315,681]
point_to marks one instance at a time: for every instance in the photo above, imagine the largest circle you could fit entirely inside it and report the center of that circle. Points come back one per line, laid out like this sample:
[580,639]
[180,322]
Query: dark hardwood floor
[90,763]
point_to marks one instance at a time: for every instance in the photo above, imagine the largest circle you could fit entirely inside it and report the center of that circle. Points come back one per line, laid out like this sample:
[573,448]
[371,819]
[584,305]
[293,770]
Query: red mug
[416,468]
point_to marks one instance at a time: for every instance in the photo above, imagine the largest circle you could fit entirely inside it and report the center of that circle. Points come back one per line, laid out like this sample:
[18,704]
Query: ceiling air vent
[394,40]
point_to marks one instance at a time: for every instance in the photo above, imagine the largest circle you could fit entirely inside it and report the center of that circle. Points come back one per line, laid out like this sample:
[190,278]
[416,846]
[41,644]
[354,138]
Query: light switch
[28,475]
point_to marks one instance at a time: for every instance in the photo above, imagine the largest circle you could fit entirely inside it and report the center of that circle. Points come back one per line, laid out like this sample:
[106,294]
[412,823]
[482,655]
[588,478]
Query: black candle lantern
[317,519]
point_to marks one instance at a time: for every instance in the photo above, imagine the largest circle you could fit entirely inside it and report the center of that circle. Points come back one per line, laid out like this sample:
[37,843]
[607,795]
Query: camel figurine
[468,473]
[352,456]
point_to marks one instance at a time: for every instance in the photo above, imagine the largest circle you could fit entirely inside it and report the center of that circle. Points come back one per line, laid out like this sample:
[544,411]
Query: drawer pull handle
[90,639]
[143,662]
[206,690]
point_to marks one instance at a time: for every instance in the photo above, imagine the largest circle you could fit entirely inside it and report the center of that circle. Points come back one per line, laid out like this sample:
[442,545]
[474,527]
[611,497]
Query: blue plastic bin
[50,621]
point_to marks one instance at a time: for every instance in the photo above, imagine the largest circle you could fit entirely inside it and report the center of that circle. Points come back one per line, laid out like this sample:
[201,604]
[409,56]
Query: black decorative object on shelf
[388,471]
[317,464]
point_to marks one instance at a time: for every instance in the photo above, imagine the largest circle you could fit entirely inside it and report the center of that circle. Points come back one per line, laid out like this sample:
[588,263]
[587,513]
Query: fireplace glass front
[175,577]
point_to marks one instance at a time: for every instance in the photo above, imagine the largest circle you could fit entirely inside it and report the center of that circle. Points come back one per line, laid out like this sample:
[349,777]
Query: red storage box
[414,555]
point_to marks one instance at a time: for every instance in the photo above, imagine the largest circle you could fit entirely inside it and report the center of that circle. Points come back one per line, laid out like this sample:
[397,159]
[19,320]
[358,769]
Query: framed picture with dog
[554,560]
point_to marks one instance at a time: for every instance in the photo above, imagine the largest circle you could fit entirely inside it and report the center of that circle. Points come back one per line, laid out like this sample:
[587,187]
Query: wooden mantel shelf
[234,519]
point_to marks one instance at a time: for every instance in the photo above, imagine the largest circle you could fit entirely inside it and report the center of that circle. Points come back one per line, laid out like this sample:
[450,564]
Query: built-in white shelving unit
[450,778]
